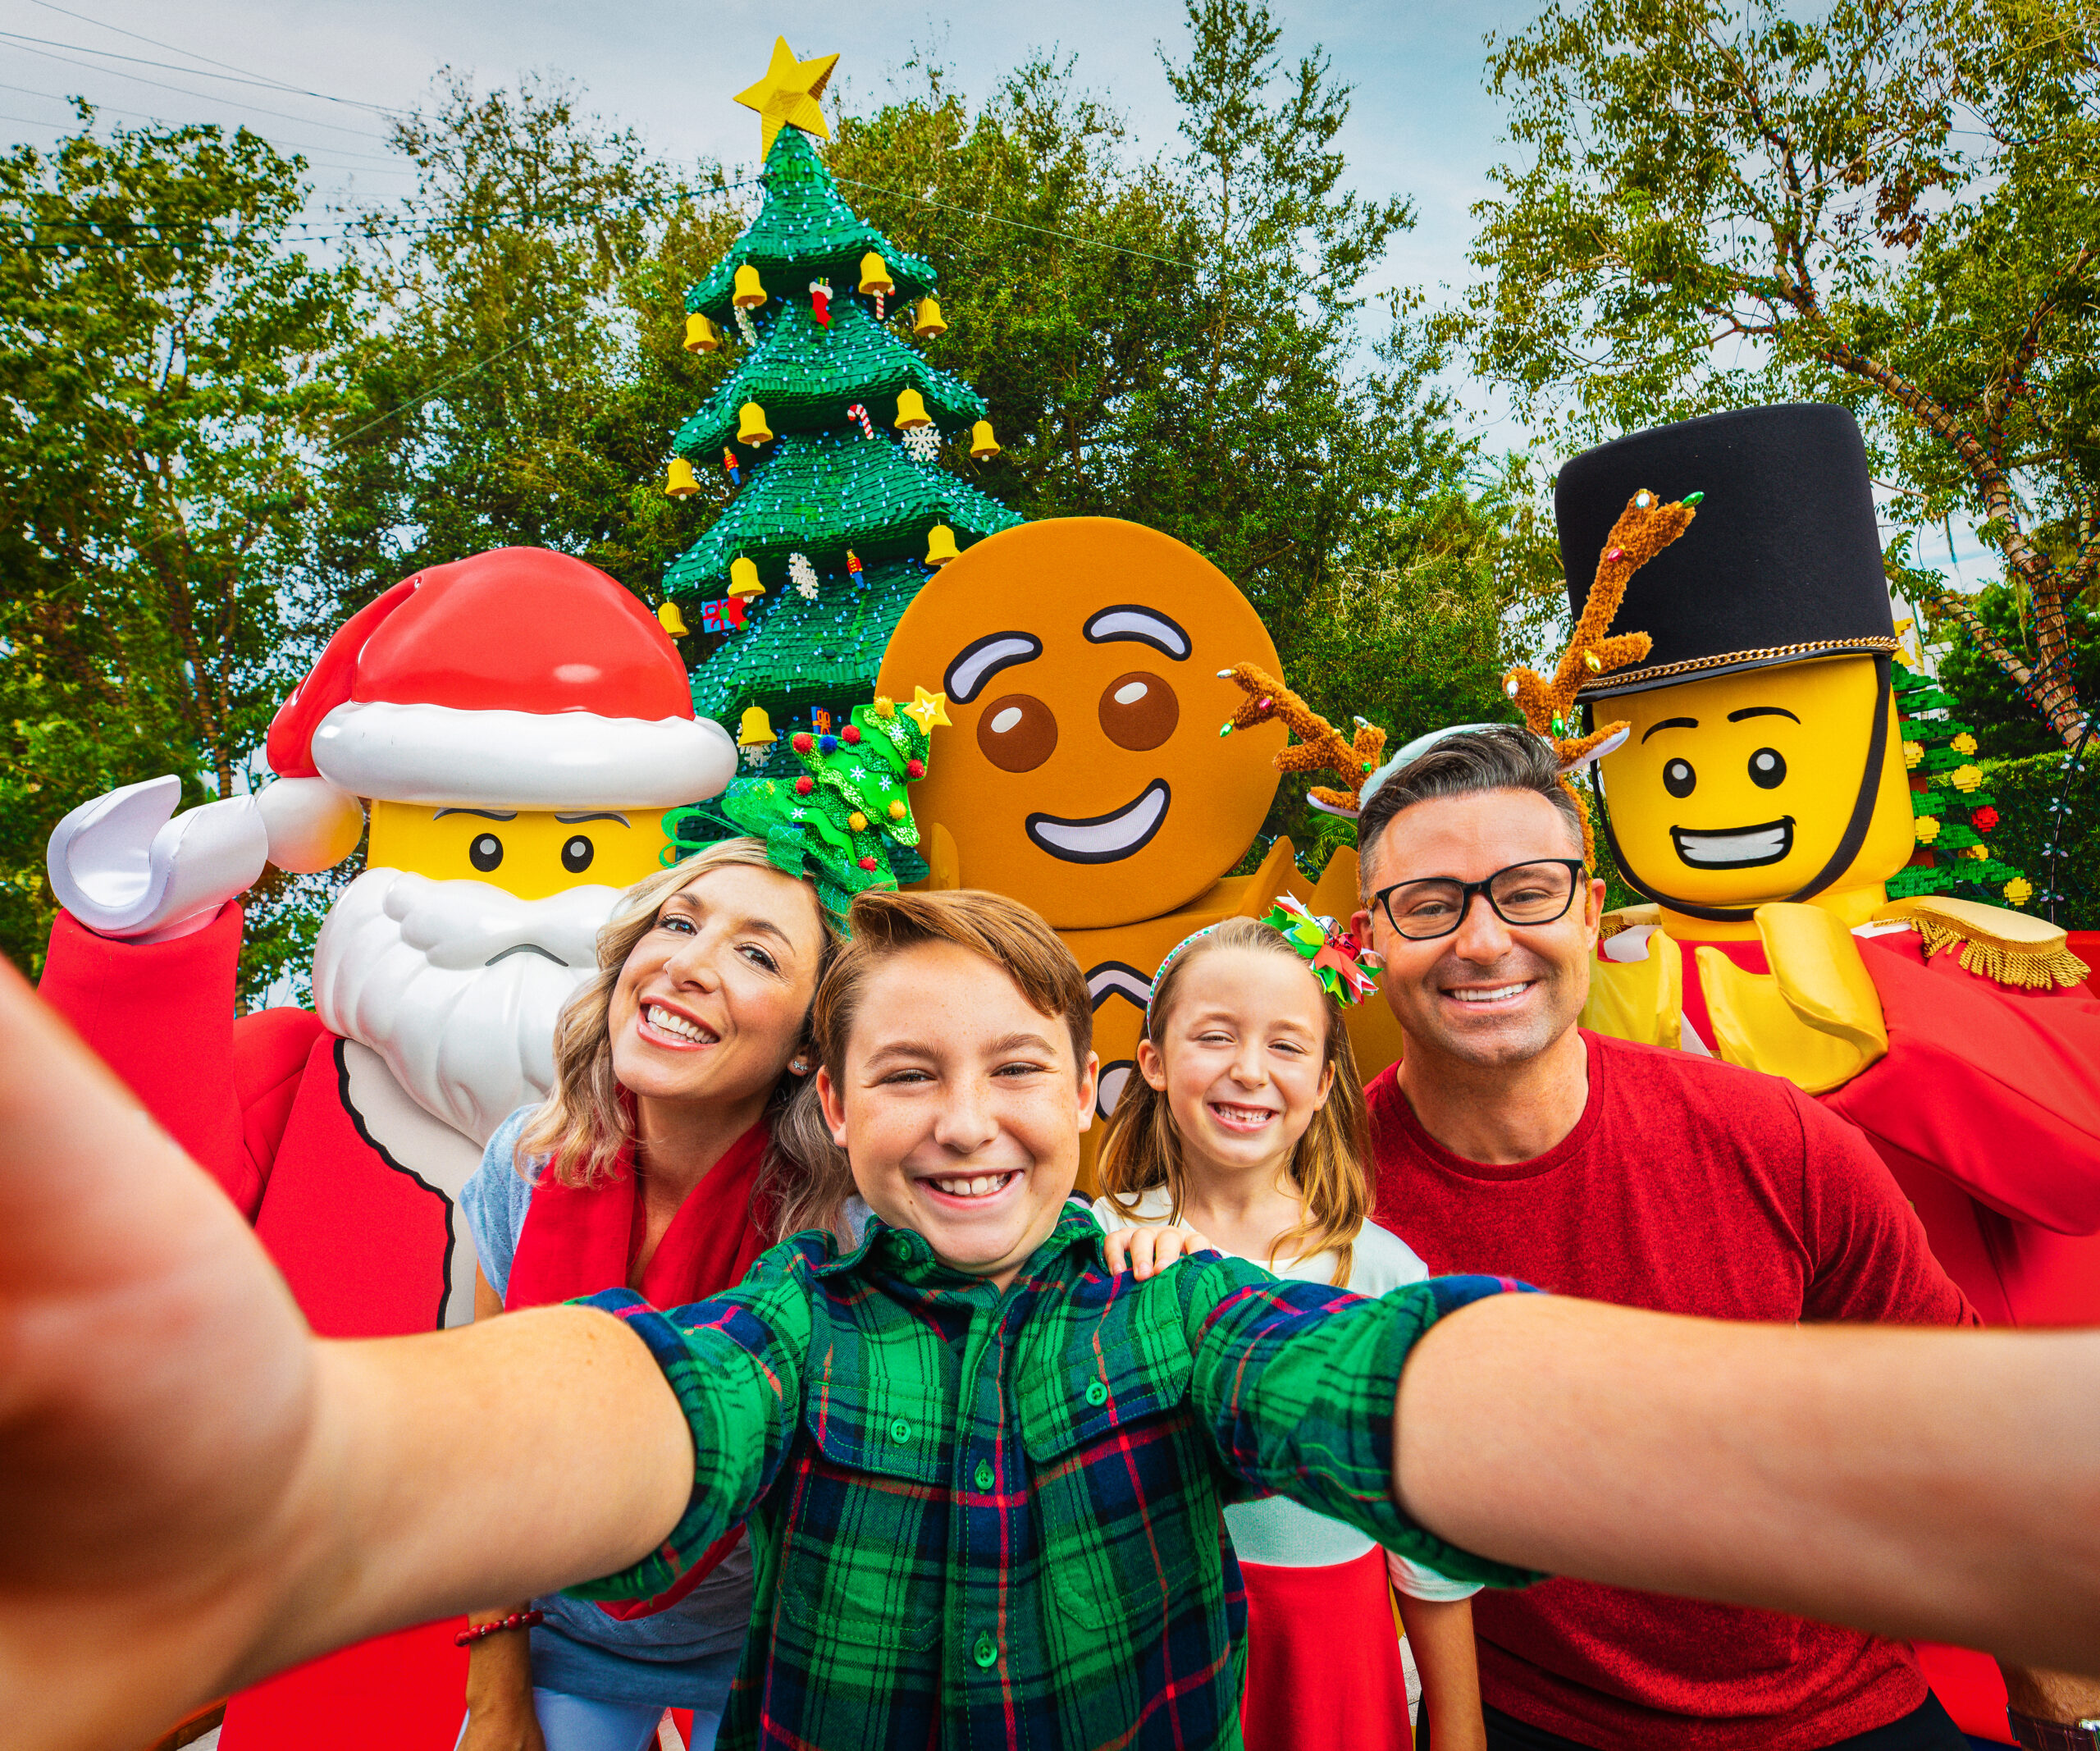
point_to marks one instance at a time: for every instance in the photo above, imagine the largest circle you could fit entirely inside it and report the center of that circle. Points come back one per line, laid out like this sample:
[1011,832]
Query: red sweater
[1692,1187]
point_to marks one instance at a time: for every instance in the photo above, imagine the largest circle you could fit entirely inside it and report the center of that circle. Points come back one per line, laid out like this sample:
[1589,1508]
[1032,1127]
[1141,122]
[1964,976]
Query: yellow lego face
[1738,790]
[531,853]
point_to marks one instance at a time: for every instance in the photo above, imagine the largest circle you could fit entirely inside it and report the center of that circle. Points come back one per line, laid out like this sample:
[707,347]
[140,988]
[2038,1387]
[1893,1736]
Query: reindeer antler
[1645,528]
[1319,747]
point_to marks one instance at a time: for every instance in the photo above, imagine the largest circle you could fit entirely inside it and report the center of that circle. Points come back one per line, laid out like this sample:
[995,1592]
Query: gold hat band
[1605,686]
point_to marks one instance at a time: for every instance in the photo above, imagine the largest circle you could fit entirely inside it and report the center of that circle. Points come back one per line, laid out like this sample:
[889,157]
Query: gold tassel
[2032,967]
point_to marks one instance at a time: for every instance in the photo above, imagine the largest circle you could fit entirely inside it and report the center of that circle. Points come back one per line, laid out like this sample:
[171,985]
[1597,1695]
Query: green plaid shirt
[992,1520]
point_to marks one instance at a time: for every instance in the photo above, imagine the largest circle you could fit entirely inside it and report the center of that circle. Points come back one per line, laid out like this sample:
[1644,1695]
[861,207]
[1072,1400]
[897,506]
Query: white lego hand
[124,868]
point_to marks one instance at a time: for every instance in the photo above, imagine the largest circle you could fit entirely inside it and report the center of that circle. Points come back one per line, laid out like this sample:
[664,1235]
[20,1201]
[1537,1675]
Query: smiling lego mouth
[1738,847]
[1103,839]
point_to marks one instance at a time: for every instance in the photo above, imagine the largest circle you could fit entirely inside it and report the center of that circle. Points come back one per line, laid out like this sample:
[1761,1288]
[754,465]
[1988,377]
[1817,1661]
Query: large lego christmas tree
[1952,814]
[836,423]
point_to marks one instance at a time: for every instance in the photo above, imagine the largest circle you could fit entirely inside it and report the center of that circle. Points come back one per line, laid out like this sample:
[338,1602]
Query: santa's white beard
[441,979]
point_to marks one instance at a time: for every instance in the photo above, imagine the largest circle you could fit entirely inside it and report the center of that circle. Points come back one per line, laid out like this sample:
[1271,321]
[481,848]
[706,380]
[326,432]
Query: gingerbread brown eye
[1138,711]
[1017,732]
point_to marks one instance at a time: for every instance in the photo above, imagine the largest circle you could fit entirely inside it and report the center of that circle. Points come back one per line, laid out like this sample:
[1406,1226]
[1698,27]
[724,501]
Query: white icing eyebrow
[1146,625]
[982,658]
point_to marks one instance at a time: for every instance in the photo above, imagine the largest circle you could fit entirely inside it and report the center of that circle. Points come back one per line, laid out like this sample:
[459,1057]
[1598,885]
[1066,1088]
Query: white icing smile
[1103,839]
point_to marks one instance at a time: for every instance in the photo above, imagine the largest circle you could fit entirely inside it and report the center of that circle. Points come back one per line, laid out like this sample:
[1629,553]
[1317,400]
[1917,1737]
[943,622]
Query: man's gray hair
[1468,763]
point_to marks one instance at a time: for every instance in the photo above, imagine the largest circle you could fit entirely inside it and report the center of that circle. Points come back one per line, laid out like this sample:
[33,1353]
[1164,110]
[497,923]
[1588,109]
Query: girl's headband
[1343,969]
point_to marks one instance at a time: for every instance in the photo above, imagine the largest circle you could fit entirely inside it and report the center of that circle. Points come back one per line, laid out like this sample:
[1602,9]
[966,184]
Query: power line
[176,48]
[445,383]
[992,218]
[208,96]
[371,158]
[169,66]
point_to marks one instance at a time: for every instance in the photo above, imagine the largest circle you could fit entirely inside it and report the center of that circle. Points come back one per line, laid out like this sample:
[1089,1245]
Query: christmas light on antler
[1319,747]
[1645,528]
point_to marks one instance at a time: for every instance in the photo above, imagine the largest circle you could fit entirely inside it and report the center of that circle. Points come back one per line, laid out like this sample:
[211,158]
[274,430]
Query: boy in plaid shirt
[985,1475]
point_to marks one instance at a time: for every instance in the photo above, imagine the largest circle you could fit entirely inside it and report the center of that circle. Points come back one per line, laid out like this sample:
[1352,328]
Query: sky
[1423,123]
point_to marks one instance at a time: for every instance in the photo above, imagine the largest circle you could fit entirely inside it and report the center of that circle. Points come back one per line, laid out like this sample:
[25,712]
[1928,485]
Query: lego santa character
[519,724]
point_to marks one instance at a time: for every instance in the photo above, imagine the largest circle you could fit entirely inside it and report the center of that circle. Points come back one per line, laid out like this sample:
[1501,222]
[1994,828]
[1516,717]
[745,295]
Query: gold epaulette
[2006,947]
[1628,918]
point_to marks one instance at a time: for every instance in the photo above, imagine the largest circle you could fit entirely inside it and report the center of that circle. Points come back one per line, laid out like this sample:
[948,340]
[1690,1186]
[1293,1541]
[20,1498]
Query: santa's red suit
[515,680]
[1986,1107]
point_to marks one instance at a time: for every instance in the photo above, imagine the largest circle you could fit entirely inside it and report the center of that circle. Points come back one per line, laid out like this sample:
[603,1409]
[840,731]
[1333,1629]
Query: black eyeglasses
[1524,893]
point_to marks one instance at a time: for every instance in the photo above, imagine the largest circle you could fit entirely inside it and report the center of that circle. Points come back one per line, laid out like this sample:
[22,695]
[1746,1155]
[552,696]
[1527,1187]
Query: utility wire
[372,159]
[446,383]
[992,218]
[208,96]
[176,48]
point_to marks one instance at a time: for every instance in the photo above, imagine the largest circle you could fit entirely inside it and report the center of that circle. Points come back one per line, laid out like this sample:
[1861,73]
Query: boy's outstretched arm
[1940,1484]
[195,1492]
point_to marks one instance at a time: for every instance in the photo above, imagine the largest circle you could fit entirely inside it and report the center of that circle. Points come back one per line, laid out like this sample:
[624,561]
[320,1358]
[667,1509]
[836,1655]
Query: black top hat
[1781,565]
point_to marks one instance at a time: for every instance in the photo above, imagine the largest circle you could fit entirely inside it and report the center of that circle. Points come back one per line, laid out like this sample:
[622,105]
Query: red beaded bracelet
[516,1621]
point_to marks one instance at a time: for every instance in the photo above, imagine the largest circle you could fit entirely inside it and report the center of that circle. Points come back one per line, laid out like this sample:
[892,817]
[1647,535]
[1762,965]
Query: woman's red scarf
[580,1240]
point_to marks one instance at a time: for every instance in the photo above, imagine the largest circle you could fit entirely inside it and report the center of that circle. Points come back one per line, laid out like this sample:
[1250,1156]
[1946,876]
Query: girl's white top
[1273,1530]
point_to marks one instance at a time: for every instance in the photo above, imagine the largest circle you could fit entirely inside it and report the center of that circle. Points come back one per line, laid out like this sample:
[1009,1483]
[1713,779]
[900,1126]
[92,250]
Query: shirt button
[900,1430]
[986,1653]
[1096,1392]
[985,1475]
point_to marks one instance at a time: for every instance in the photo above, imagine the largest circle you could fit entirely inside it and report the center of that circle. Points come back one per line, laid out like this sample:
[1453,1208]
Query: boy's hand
[157,1405]
[1147,1251]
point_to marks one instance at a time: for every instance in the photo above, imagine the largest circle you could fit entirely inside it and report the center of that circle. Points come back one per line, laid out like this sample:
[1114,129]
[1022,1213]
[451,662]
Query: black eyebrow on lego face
[982,658]
[487,814]
[1141,625]
[1672,723]
[574,820]
[1736,717]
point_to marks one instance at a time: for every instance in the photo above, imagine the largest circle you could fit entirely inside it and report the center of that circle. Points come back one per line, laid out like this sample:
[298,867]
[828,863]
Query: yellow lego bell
[749,295]
[926,323]
[940,545]
[911,410]
[874,276]
[752,427]
[983,445]
[672,620]
[701,335]
[743,578]
[756,729]
[678,482]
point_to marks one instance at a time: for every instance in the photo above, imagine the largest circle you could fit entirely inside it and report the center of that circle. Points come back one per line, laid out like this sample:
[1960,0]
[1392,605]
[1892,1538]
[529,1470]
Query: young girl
[1246,1121]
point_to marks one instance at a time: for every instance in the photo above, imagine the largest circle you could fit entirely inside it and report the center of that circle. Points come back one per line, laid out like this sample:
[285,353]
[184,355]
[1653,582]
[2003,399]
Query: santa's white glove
[124,868]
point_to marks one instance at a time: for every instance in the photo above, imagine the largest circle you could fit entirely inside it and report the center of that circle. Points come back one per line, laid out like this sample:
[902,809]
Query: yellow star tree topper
[786,97]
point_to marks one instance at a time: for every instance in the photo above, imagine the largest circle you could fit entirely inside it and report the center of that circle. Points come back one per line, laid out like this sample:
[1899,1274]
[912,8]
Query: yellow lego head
[530,853]
[1762,784]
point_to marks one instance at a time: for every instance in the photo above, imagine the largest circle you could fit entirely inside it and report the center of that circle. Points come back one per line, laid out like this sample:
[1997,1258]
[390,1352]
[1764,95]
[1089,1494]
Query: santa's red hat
[517,679]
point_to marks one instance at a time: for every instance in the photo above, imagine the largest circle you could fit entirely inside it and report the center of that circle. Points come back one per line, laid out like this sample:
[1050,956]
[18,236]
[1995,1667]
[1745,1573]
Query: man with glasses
[1511,1140]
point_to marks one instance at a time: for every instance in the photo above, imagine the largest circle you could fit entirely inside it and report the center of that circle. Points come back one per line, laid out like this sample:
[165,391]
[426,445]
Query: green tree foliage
[521,369]
[1893,206]
[2005,725]
[1179,340]
[168,361]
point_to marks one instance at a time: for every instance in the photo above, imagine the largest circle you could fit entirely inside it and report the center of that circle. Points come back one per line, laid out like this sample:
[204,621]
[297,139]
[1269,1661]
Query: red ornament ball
[804,785]
[850,735]
[915,769]
[1984,819]
[867,863]
[802,743]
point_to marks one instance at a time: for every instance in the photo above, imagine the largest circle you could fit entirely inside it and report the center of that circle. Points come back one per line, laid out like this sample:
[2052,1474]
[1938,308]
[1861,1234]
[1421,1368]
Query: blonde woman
[682,1139]
[1246,1121]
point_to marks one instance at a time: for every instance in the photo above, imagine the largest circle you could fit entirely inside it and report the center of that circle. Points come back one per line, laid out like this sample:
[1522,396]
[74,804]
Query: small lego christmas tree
[844,819]
[1952,815]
